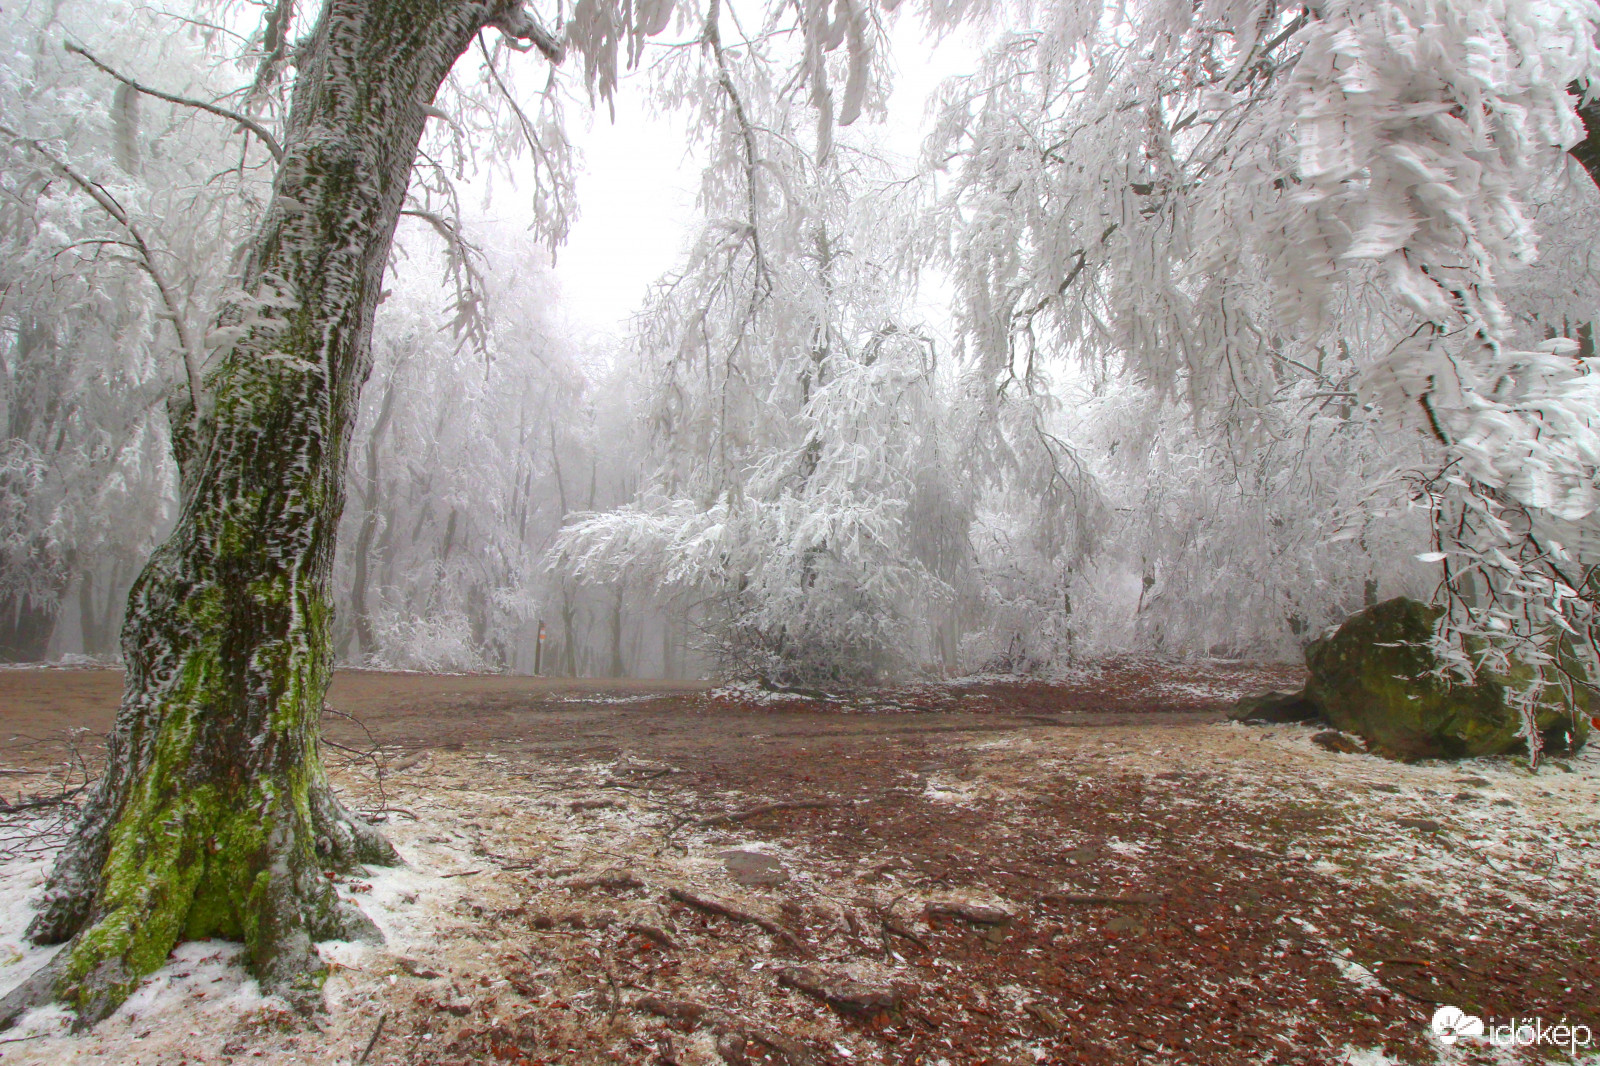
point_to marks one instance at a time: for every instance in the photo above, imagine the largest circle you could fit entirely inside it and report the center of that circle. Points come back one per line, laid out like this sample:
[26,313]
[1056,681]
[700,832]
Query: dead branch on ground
[728,910]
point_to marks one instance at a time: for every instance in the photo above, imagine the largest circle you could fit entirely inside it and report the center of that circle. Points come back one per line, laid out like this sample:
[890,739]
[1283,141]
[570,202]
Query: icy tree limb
[523,32]
[222,112]
[108,203]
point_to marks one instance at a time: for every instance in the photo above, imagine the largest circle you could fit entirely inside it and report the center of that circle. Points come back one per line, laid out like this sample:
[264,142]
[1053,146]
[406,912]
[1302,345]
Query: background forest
[1171,339]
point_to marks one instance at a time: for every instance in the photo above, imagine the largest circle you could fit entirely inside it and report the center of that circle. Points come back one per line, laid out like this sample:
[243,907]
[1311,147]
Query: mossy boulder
[1374,676]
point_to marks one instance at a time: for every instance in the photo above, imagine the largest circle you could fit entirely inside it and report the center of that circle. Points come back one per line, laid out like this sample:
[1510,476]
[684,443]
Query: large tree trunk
[214,817]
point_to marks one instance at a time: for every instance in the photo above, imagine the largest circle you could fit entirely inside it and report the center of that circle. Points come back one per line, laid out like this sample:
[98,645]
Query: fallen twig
[1073,898]
[40,801]
[607,879]
[373,1042]
[766,808]
[683,1011]
[371,753]
[650,932]
[976,913]
[728,910]
[891,924]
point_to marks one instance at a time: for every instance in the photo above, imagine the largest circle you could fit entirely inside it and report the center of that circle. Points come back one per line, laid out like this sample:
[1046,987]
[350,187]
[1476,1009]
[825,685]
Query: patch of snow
[1212,690]
[53,1020]
[21,881]
[959,793]
[201,977]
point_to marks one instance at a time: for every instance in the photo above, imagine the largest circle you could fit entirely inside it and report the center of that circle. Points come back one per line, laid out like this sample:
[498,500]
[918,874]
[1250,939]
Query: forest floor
[980,873]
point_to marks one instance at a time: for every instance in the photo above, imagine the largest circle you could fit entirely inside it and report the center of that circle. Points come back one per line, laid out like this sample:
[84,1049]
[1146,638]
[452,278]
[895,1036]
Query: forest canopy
[1189,332]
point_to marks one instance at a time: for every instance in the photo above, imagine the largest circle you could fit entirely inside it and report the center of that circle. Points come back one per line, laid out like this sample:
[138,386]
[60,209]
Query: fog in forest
[956,374]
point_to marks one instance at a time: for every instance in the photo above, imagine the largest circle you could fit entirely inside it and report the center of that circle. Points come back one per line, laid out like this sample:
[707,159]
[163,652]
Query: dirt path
[1098,871]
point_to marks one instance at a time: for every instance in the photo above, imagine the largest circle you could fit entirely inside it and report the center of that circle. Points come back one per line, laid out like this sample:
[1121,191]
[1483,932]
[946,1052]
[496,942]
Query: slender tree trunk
[617,667]
[214,817]
[100,612]
[369,526]
[26,627]
[88,617]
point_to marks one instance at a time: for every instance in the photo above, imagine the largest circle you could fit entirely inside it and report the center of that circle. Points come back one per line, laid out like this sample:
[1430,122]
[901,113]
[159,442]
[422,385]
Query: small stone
[753,869]
[682,1011]
[977,913]
[1048,1016]
[1427,825]
[1126,923]
[839,990]
[1335,741]
[416,969]
[1465,797]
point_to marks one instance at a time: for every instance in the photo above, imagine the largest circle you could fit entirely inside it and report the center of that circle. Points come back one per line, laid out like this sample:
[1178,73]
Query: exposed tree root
[734,1034]
[765,808]
[249,871]
[728,910]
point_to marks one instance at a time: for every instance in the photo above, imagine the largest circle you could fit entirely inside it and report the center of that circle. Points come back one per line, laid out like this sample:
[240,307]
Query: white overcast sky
[637,185]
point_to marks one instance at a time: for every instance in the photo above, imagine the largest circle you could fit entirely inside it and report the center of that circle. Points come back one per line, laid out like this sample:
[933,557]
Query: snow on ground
[20,882]
[203,1007]
[493,920]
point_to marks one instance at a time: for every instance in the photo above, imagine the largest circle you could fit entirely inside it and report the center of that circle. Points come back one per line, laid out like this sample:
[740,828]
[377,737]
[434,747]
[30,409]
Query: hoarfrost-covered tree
[118,217]
[214,816]
[805,483]
[1214,198]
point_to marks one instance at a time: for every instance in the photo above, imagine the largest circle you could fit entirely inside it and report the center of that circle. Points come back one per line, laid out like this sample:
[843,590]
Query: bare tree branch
[108,203]
[233,116]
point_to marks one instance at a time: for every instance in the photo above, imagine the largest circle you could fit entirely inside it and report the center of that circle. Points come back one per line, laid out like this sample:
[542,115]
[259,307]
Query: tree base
[121,905]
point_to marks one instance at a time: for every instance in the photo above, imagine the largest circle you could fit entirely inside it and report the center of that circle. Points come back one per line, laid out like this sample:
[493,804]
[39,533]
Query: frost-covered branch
[712,38]
[146,259]
[245,121]
[523,32]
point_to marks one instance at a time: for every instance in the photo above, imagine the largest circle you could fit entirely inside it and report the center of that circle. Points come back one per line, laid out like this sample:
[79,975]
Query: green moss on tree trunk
[215,818]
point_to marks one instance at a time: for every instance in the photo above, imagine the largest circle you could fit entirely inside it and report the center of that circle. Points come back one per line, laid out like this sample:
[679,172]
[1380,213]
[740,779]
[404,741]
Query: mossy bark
[214,818]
